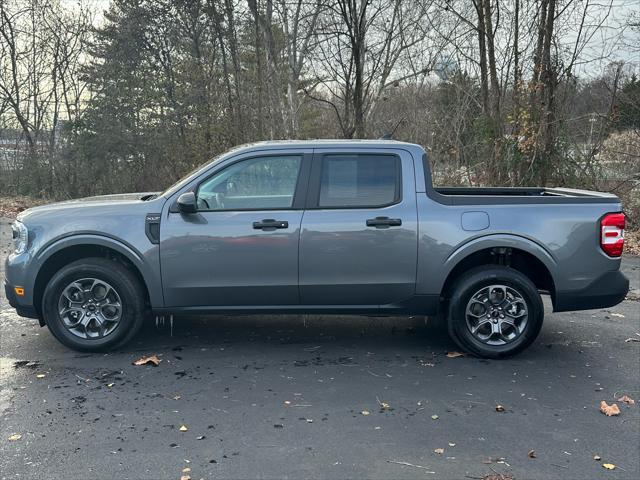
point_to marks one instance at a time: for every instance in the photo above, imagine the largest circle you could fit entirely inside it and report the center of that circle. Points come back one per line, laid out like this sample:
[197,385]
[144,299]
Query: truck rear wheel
[93,304]
[494,312]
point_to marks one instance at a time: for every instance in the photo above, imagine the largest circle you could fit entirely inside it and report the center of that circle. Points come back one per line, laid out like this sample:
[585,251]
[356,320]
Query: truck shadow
[276,330]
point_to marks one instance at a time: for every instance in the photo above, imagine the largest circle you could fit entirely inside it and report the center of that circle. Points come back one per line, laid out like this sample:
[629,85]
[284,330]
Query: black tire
[120,278]
[474,281]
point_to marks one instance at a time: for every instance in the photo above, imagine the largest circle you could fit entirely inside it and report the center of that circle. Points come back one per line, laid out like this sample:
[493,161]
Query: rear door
[241,247]
[358,243]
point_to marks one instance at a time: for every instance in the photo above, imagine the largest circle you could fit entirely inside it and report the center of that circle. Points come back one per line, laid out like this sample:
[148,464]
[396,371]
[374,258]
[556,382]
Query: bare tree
[364,47]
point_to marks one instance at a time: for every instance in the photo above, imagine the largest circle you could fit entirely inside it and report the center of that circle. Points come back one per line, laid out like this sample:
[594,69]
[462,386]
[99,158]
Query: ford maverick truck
[332,227]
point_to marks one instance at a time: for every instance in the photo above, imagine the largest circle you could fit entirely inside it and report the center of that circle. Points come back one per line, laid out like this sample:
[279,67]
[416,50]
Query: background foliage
[517,92]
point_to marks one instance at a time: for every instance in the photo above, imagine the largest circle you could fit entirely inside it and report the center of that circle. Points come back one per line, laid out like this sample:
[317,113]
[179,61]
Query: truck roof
[324,143]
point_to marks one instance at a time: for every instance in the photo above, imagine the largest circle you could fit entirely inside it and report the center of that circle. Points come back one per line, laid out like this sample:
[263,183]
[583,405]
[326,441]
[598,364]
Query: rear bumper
[27,311]
[607,290]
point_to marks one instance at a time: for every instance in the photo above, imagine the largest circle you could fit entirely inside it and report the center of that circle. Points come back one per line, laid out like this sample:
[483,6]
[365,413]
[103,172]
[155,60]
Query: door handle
[383,222]
[270,224]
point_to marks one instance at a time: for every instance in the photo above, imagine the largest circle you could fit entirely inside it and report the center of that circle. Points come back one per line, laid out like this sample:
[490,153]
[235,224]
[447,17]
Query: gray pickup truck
[334,227]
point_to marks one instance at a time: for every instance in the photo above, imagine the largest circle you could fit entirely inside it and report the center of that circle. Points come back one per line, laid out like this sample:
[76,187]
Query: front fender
[145,263]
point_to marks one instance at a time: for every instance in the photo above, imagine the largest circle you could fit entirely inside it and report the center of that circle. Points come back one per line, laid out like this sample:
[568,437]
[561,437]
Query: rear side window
[359,180]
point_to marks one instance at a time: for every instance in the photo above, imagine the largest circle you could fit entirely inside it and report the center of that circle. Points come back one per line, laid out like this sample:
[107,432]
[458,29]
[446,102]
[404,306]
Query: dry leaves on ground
[627,399]
[609,410]
[632,242]
[10,207]
[455,354]
[152,359]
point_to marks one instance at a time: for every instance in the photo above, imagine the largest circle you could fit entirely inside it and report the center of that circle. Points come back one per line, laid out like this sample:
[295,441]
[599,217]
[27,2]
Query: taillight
[612,234]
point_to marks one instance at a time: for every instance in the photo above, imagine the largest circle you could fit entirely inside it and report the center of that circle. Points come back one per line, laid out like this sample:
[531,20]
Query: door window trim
[299,192]
[315,180]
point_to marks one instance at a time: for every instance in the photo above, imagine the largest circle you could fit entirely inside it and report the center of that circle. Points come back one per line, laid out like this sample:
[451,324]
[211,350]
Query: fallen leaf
[183,428]
[434,417]
[499,408]
[439,451]
[365,412]
[627,399]
[15,437]
[455,354]
[532,454]
[609,466]
[597,458]
[40,375]
[609,410]
[152,359]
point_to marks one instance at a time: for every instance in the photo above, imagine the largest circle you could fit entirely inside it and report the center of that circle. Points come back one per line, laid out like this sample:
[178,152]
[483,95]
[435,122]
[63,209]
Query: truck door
[358,243]
[241,247]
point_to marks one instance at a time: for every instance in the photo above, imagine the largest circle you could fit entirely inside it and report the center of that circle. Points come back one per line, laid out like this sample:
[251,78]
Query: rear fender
[497,240]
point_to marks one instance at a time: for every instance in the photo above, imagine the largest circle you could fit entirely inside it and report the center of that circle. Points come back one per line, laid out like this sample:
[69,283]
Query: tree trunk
[482,47]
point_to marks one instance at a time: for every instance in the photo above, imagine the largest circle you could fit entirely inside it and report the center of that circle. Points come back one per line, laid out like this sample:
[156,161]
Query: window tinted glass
[256,183]
[359,180]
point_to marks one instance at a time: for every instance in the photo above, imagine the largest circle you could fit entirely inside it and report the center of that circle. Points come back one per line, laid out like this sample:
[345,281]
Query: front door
[241,247]
[358,244]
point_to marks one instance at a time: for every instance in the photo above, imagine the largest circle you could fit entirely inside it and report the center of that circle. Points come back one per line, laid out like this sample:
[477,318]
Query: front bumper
[27,311]
[607,290]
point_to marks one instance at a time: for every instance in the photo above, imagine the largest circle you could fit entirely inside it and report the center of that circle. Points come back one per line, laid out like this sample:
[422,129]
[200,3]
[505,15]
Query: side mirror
[187,203]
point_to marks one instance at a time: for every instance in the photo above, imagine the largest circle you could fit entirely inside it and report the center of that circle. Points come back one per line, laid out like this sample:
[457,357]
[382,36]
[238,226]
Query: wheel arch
[522,254]
[74,248]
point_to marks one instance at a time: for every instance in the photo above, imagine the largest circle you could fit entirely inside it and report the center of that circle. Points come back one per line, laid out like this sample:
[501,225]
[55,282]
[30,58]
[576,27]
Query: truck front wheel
[494,312]
[93,304]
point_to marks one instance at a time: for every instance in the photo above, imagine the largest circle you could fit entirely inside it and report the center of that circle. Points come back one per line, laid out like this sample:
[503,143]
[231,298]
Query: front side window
[261,183]
[359,181]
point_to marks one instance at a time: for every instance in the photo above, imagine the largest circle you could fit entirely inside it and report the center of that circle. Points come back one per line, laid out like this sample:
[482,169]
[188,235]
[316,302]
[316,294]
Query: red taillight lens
[612,234]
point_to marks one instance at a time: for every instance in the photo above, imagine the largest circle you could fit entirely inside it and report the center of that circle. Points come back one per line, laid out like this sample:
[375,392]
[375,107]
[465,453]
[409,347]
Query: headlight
[20,237]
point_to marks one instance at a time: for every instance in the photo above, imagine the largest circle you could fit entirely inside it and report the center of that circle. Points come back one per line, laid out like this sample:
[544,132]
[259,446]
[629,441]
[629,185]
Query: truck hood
[95,202]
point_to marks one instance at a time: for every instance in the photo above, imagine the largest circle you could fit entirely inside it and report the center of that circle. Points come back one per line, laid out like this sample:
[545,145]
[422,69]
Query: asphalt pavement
[306,396]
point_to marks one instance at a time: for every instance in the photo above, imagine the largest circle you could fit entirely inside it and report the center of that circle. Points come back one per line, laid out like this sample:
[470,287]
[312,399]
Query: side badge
[152,227]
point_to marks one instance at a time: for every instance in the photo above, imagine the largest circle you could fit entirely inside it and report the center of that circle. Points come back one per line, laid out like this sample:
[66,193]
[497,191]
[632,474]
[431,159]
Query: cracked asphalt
[283,397]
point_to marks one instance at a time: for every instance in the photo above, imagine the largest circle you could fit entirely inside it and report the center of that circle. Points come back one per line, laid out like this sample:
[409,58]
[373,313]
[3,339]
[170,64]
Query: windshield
[186,177]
